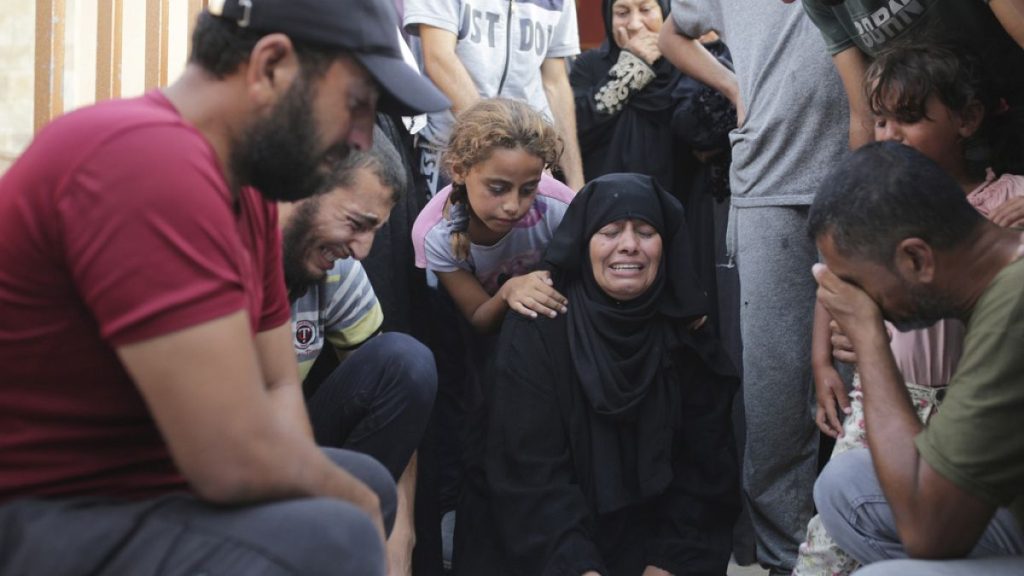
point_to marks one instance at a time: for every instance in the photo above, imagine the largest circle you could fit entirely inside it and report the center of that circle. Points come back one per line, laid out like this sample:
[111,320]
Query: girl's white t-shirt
[518,253]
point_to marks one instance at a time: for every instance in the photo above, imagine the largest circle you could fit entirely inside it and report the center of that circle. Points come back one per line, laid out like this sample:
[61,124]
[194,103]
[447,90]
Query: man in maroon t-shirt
[151,417]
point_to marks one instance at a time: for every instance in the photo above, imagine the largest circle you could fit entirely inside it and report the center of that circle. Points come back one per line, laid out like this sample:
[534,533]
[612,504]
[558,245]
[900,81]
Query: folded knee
[329,535]
[835,488]
[414,367]
[376,477]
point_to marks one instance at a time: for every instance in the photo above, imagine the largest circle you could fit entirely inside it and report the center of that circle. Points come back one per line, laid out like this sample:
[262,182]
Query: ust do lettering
[478,26]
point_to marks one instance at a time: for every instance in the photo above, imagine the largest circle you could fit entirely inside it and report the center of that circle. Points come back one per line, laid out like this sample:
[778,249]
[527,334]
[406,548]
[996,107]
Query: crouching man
[378,399]
[151,414]
[901,243]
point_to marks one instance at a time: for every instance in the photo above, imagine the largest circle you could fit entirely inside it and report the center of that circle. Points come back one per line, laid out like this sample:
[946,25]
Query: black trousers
[378,401]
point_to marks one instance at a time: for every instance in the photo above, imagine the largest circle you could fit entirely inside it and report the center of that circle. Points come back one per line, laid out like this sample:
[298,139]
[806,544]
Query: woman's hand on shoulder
[532,294]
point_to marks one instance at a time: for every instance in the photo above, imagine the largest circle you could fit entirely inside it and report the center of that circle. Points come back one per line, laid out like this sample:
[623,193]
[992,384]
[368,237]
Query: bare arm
[281,374]
[556,85]
[833,403]
[851,65]
[1010,14]
[224,427]
[443,66]
[693,59]
[934,517]
[527,294]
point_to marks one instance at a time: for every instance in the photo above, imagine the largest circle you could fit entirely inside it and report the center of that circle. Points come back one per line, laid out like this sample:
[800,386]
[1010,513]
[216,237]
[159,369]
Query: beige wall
[17,37]
[18,67]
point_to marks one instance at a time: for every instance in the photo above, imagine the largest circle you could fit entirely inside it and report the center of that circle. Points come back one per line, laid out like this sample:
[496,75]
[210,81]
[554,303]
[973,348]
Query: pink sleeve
[552,188]
[431,214]
[988,197]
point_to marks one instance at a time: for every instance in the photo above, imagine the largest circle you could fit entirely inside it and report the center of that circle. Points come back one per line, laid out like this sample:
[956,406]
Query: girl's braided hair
[490,123]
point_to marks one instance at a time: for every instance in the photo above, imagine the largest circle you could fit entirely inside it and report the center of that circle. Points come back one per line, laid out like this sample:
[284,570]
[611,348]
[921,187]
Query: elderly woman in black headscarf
[624,95]
[610,448]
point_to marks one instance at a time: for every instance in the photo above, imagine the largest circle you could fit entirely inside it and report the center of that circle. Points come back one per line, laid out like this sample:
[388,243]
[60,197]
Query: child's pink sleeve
[995,192]
[431,214]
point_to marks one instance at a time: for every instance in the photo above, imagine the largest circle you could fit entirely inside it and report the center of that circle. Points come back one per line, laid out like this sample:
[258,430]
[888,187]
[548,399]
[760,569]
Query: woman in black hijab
[610,448]
[623,94]
[636,113]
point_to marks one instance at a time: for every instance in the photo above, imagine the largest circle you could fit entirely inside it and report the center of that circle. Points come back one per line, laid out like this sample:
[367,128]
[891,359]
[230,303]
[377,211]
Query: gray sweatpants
[856,514]
[179,534]
[774,257]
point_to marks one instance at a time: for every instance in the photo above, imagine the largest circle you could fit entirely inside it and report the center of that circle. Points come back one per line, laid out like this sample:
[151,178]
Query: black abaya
[590,471]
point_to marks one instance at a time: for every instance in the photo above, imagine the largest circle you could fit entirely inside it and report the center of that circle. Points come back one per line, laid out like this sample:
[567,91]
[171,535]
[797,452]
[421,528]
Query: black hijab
[621,351]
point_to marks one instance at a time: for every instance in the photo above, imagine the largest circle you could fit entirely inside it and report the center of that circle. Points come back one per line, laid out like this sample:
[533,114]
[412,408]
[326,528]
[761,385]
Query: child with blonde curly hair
[483,236]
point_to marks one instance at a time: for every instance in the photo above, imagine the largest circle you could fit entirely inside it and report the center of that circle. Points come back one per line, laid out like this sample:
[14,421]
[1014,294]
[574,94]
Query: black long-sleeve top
[538,473]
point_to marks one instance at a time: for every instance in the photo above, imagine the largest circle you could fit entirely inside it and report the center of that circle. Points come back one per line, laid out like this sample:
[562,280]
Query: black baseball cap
[368,29]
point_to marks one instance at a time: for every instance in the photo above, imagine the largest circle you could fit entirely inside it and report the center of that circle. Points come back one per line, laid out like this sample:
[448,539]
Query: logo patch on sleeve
[305,334]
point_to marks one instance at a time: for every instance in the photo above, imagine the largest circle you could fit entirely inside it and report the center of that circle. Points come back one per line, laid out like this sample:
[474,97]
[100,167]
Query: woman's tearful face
[625,255]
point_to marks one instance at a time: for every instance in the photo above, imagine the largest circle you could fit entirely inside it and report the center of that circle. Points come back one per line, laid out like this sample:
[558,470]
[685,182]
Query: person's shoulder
[347,281]
[344,268]
[112,119]
[443,14]
[129,158]
[586,66]
[542,330]
[550,204]
[429,226]
[1013,184]
[1001,306]
[145,134]
[551,187]
[1010,278]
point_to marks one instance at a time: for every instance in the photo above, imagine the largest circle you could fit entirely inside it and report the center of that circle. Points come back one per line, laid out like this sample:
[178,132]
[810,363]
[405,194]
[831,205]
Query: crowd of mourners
[415,287]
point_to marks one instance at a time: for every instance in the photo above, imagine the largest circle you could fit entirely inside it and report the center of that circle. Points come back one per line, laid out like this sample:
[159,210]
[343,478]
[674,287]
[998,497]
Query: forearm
[852,65]
[693,59]
[288,401]
[443,67]
[572,160]
[227,435]
[934,516]
[821,342]
[488,316]
[454,81]
[281,376]
[559,94]
[272,460]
